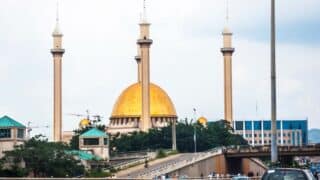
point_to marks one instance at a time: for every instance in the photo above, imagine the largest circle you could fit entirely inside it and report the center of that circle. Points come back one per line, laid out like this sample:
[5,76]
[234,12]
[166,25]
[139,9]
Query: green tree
[44,159]
[215,134]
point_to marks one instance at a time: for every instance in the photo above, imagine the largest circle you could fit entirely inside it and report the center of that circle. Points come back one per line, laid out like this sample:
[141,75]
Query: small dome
[129,103]
[202,120]
[84,123]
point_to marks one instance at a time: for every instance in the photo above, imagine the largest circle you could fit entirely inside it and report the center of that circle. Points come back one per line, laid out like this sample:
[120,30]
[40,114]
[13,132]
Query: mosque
[142,105]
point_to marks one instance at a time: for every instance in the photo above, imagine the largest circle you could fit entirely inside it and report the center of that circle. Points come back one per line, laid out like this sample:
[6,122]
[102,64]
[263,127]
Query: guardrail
[173,166]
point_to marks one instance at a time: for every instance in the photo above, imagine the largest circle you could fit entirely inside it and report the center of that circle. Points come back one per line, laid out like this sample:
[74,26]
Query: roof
[83,155]
[94,132]
[129,103]
[6,121]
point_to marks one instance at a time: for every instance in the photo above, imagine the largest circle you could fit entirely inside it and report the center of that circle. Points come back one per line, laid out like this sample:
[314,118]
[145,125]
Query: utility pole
[195,130]
[274,148]
[174,136]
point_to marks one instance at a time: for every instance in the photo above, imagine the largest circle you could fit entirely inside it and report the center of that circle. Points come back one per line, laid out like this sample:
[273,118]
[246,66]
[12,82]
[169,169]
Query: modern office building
[258,132]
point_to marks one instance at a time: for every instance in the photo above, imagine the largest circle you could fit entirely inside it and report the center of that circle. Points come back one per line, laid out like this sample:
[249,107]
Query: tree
[44,159]
[215,134]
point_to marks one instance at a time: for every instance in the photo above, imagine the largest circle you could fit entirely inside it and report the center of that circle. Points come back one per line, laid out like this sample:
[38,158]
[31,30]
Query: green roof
[6,121]
[94,132]
[83,155]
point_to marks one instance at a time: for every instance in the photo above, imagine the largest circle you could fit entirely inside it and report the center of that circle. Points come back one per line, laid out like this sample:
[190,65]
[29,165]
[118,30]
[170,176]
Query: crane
[94,119]
[29,128]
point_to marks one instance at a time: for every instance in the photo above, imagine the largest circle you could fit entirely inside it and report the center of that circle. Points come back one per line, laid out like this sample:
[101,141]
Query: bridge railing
[267,148]
[172,166]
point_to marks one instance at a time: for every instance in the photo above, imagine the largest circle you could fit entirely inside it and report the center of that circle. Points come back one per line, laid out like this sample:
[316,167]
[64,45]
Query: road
[156,165]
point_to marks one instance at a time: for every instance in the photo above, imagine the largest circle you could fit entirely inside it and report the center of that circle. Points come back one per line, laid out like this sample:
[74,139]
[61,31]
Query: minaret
[227,52]
[144,43]
[138,59]
[57,52]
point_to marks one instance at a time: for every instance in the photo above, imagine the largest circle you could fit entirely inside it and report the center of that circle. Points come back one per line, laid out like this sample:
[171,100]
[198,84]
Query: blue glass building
[258,132]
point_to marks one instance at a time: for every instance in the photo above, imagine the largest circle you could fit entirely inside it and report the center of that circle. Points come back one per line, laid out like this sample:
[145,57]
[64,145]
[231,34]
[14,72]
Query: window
[255,135]
[260,142]
[269,134]
[284,134]
[260,134]
[265,135]
[20,133]
[5,133]
[265,142]
[284,141]
[105,141]
[239,125]
[257,125]
[289,134]
[91,141]
[289,142]
[248,125]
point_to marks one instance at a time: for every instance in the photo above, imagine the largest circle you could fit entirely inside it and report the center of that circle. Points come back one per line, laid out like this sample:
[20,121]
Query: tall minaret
[144,43]
[57,52]
[227,52]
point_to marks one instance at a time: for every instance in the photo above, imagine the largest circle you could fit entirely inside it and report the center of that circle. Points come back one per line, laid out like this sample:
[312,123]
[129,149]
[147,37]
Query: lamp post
[195,130]
[174,136]
[274,149]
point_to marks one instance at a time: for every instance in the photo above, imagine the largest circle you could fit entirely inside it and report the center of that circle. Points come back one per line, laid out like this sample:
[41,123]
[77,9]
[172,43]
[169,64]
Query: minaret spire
[56,30]
[57,52]
[144,13]
[227,11]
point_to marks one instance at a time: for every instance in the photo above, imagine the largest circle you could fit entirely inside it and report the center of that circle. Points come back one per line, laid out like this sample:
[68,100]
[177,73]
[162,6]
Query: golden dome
[202,120]
[84,123]
[129,104]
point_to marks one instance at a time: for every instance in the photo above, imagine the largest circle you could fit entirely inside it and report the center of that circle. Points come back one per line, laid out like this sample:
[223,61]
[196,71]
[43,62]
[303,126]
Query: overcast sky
[100,43]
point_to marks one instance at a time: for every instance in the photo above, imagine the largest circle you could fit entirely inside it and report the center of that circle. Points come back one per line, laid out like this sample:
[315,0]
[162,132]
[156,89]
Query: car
[240,178]
[288,174]
[315,167]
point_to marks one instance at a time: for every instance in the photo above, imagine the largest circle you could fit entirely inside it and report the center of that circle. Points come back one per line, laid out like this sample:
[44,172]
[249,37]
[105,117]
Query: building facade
[95,141]
[258,132]
[12,133]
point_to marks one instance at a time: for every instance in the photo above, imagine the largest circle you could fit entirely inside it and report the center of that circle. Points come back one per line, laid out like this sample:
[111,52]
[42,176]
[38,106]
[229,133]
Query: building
[12,133]
[258,132]
[67,136]
[95,142]
[143,105]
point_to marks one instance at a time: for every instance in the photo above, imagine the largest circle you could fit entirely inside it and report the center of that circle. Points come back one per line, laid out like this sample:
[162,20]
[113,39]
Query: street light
[274,149]
[194,130]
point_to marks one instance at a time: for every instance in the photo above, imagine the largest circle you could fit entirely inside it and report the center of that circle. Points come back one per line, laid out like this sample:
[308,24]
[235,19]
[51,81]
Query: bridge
[224,160]
[265,151]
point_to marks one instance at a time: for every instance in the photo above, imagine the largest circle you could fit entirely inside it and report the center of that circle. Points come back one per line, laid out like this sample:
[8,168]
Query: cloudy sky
[100,42]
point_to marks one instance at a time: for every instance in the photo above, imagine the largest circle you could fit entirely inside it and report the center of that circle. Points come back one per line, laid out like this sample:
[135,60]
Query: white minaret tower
[144,52]
[57,53]
[227,52]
